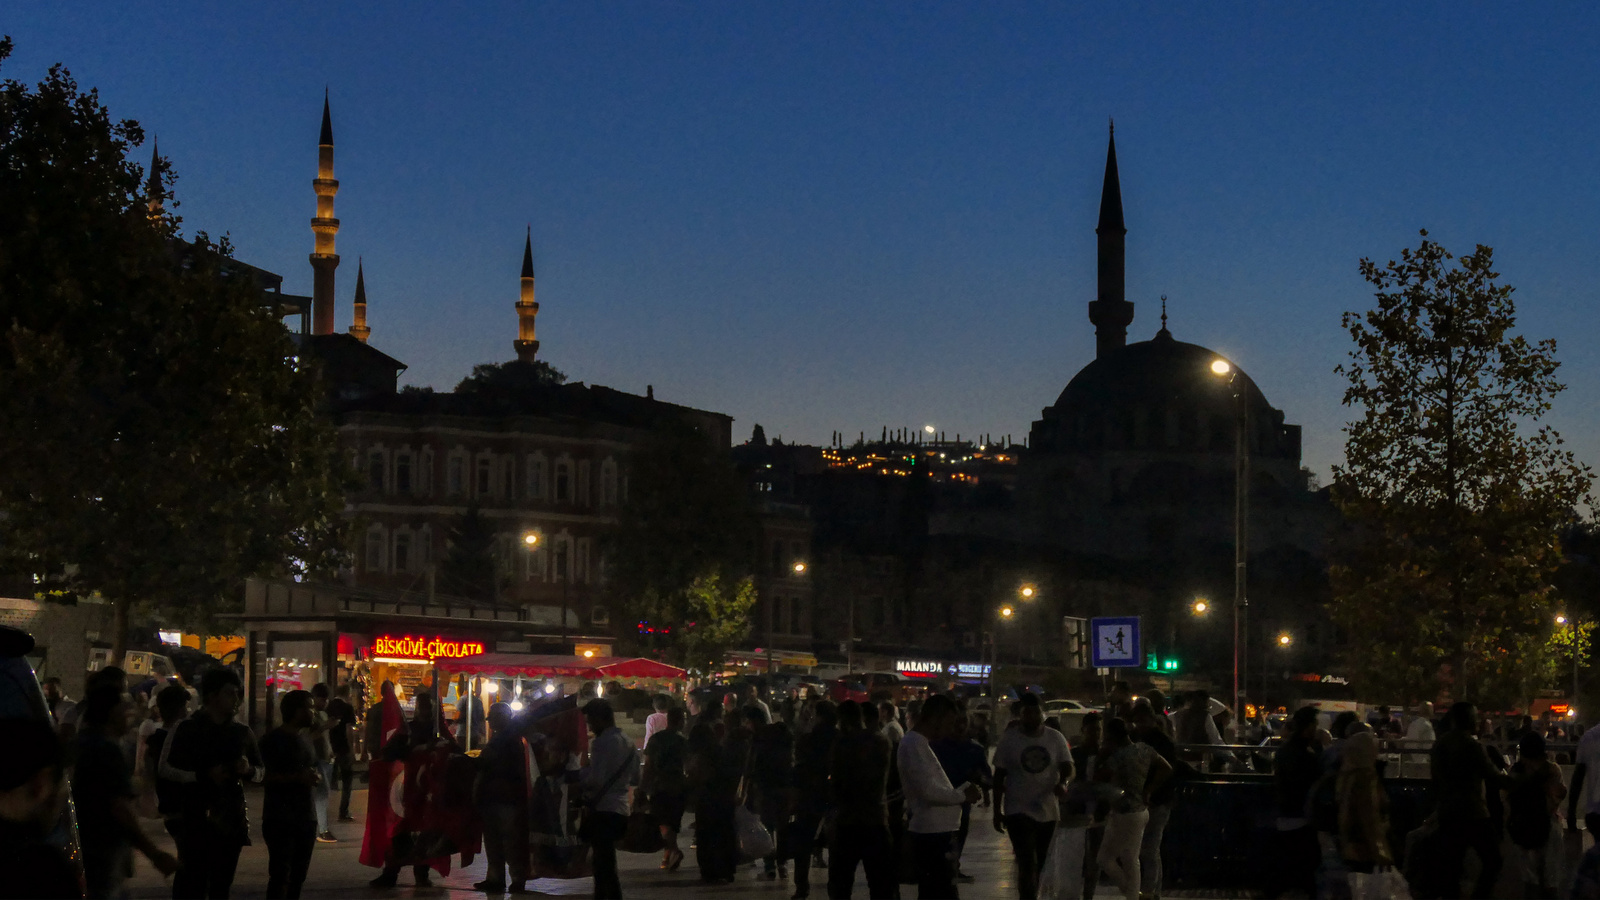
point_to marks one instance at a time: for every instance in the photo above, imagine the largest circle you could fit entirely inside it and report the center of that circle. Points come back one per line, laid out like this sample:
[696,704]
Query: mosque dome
[1160,395]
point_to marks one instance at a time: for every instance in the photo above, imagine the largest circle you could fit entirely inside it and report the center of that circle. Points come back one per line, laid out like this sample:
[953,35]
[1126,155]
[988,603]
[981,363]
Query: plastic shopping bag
[754,840]
[1386,884]
[1062,878]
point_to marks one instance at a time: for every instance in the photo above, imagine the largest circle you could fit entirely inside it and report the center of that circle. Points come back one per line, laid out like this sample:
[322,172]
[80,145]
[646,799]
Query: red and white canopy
[598,668]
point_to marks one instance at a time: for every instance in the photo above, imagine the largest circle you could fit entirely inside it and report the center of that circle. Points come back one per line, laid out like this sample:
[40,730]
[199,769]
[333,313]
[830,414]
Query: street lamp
[1007,612]
[1285,639]
[1027,592]
[1200,607]
[799,568]
[1572,626]
[1241,487]
[531,539]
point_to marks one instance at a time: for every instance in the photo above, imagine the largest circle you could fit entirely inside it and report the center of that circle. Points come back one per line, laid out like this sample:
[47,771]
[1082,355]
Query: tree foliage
[511,378]
[469,568]
[1454,494]
[159,443]
[682,549]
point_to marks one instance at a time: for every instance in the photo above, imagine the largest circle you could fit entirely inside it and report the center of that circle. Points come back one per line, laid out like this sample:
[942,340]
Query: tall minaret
[360,329]
[152,186]
[526,344]
[323,260]
[1110,313]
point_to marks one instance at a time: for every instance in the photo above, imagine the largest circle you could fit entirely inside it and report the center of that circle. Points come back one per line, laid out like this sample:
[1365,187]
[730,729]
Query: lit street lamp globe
[531,539]
[1201,607]
[1027,592]
[799,568]
[1006,612]
[1285,639]
[1220,367]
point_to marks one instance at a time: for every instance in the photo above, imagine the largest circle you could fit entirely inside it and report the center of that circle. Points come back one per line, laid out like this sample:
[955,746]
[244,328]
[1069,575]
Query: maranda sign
[409,647]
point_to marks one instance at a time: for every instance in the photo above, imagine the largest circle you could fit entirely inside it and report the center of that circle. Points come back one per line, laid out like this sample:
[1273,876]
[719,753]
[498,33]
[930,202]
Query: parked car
[1070,714]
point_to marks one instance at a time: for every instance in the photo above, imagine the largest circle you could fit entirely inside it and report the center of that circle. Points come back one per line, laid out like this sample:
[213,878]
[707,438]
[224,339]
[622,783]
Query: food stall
[513,676]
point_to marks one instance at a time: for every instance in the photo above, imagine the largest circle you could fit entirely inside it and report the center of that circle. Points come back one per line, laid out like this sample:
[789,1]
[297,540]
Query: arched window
[402,551]
[376,545]
[608,482]
[563,481]
[402,472]
[536,476]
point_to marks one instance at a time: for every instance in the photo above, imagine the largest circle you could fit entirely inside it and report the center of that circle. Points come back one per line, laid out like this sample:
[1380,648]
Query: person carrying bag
[613,768]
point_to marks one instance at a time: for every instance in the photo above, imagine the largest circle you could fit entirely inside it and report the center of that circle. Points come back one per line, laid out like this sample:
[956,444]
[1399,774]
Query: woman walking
[1138,770]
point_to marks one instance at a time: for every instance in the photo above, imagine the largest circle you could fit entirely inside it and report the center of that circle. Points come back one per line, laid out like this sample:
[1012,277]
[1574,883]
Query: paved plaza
[335,871]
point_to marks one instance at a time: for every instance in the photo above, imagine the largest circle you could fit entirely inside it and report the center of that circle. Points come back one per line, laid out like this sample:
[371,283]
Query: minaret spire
[324,259]
[360,329]
[526,344]
[153,188]
[1110,312]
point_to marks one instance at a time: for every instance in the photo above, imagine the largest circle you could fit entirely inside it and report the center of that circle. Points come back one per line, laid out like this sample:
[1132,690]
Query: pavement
[335,871]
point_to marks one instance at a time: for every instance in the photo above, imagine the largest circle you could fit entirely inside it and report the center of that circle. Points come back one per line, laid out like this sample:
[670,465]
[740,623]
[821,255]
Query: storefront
[940,675]
[299,635]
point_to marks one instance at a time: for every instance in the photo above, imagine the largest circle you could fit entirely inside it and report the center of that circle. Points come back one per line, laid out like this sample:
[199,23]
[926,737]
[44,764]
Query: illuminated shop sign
[969,671]
[421,649]
[919,668]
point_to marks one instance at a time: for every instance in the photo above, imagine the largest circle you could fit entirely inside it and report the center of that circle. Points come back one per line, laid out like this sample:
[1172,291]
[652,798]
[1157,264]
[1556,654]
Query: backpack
[1528,819]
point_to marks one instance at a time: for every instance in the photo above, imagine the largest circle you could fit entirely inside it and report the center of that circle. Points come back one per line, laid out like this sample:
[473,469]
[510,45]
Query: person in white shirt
[1586,782]
[889,715]
[656,721]
[933,805]
[1031,769]
[1419,734]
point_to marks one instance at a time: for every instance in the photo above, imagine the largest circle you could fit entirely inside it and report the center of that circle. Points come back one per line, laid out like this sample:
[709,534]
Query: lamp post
[799,570]
[1241,510]
[1572,628]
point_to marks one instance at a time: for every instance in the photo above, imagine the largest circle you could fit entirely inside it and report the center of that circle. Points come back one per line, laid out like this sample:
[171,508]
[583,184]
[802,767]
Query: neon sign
[418,648]
[916,668]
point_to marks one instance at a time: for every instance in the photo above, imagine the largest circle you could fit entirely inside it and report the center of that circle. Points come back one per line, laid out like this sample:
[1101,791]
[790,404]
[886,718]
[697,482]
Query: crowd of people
[878,788]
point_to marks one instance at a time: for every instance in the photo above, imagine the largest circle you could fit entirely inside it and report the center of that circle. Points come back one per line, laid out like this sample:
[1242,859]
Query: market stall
[512,676]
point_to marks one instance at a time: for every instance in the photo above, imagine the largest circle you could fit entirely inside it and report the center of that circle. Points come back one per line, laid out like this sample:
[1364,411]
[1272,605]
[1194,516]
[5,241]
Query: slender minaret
[323,258]
[153,182]
[1110,312]
[360,329]
[526,344]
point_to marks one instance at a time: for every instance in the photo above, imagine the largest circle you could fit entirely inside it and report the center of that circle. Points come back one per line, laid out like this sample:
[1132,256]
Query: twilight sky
[843,215]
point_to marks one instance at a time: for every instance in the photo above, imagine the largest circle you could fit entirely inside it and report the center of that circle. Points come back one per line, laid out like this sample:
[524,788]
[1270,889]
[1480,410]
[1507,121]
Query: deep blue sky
[838,216]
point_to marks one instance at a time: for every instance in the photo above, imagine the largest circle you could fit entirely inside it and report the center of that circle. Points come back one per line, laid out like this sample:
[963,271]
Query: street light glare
[1200,607]
[1221,367]
[1006,611]
[799,568]
[928,428]
[1561,620]
[530,539]
[1027,592]
[1285,640]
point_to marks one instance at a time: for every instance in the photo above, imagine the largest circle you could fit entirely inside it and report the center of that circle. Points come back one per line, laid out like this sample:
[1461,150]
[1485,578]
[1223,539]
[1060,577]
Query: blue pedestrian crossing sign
[1117,643]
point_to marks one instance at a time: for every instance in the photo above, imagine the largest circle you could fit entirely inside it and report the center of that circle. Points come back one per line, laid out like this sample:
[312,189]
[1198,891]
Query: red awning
[599,668]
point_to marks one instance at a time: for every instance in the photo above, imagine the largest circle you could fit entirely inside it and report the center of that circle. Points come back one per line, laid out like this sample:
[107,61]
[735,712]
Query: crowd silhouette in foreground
[740,790]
